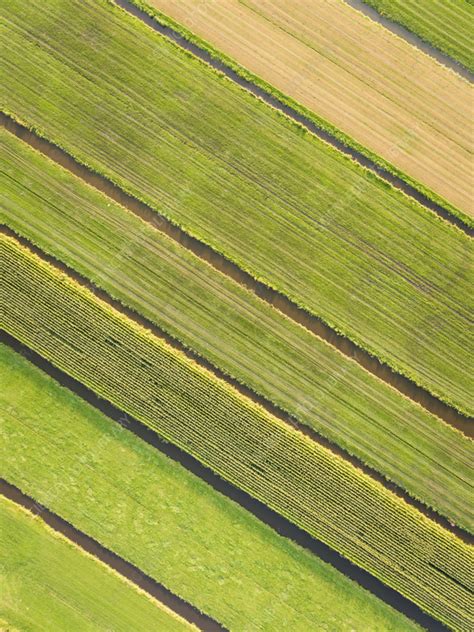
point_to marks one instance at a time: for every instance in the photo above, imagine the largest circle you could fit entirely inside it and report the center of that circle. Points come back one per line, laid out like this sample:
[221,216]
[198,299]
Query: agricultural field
[372,86]
[281,204]
[446,25]
[164,519]
[187,406]
[59,584]
[242,336]
[236,316]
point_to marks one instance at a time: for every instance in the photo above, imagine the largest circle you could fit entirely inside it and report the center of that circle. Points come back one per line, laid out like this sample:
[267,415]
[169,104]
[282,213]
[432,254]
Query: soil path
[202,54]
[118,564]
[411,38]
[279,301]
[269,406]
[279,524]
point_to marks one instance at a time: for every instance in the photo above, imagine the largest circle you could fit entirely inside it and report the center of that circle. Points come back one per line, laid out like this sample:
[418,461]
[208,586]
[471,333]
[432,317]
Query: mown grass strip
[164,519]
[447,26]
[282,205]
[241,335]
[50,583]
[189,407]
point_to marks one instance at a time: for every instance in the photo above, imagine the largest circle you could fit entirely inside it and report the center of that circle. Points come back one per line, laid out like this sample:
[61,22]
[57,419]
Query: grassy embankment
[163,519]
[304,482]
[237,332]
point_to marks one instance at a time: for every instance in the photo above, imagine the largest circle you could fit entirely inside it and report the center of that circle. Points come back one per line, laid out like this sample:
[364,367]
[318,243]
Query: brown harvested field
[386,94]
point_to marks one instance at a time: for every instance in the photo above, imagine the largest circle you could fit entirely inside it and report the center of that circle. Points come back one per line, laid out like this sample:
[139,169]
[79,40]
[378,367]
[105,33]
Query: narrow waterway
[132,573]
[258,509]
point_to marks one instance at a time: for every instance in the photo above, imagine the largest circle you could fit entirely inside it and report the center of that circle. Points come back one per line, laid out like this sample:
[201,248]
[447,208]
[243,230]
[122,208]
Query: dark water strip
[114,561]
[244,390]
[309,124]
[279,524]
[412,38]
[278,300]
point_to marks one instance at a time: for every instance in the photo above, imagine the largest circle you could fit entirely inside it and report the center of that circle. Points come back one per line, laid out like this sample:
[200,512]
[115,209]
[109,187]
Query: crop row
[276,201]
[172,525]
[240,334]
[189,407]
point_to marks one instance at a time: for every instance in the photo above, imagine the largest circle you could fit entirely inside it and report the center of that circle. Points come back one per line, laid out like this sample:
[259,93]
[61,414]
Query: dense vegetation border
[450,53]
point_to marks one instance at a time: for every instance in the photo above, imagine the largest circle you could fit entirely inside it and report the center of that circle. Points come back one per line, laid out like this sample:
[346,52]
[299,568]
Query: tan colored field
[387,95]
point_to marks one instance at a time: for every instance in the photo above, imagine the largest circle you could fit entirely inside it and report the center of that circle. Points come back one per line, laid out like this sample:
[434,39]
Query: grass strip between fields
[447,26]
[50,583]
[189,407]
[241,335]
[160,517]
[282,205]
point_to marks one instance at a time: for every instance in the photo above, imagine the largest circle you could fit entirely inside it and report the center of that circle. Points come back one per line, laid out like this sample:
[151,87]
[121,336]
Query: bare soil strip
[411,38]
[272,408]
[131,572]
[280,302]
[279,524]
[271,100]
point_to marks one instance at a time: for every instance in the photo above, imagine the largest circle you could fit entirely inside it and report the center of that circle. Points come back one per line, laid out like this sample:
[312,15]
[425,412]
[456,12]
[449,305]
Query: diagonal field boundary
[263,513]
[156,590]
[270,99]
[279,301]
[244,390]
[412,38]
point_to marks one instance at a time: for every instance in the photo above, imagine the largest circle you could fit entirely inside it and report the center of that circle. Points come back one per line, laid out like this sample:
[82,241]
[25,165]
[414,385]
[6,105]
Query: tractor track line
[244,390]
[156,590]
[219,262]
[269,517]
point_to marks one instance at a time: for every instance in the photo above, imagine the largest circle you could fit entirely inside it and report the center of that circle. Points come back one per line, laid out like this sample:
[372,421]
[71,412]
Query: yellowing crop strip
[188,406]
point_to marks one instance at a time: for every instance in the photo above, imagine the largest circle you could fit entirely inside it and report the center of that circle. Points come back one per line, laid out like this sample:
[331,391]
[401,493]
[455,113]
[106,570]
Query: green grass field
[151,511]
[230,170]
[240,334]
[446,25]
[47,583]
[320,492]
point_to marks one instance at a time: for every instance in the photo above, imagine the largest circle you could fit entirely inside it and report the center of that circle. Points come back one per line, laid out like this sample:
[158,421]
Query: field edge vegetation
[21,527]
[438,40]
